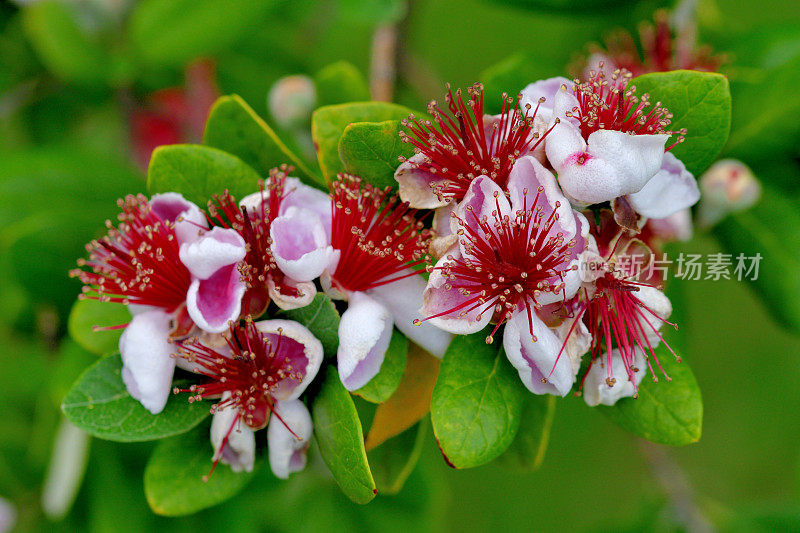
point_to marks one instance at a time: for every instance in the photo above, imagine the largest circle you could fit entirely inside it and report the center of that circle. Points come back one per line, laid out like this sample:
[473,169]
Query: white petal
[546,89]
[300,245]
[189,220]
[657,302]
[307,291]
[217,248]
[637,158]
[8,516]
[415,184]
[403,298]
[676,227]
[147,367]
[312,352]
[672,189]
[65,471]
[563,141]
[287,451]
[215,301]
[240,450]
[596,390]
[536,361]
[437,298]
[302,196]
[364,334]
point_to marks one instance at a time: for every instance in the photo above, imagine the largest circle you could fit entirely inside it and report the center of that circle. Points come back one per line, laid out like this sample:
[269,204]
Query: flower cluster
[535,208]
[197,281]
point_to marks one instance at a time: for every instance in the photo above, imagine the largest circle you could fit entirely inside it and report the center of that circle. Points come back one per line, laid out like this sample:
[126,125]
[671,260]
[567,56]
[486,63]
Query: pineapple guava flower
[605,142]
[377,243]
[512,259]
[284,228]
[728,186]
[597,389]
[260,364]
[138,264]
[464,144]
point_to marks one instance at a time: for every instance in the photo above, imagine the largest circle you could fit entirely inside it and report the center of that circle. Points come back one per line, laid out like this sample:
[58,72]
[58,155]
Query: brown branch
[383,62]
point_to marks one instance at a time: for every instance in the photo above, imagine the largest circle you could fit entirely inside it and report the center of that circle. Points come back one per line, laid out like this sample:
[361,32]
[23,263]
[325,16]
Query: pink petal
[415,185]
[215,301]
[303,350]
[300,245]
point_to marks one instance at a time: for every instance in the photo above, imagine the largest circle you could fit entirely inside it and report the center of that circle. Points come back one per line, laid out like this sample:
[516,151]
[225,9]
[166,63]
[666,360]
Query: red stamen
[459,148]
[137,262]
[379,239]
[509,263]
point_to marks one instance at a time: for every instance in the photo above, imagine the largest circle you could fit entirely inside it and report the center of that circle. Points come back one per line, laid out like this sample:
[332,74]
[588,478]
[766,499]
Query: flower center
[378,238]
[137,262]
[605,104]
[254,226]
[461,145]
[508,262]
[253,368]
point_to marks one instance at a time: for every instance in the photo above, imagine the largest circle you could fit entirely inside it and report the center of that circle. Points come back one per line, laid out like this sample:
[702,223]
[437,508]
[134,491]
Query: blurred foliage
[72,74]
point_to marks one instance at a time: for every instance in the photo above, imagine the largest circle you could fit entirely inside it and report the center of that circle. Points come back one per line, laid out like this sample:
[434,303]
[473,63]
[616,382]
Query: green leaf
[99,404]
[340,83]
[322,319]
[86,314]
[383,385]
[371,150]
[699,102]
[173,478]
[527,451]
[173,32]
[772,229]
[374,12]
[328,124]
[394,460]
[568,5]
[235,128]
[337,429]
[198,172]
[63,45]
[477,402]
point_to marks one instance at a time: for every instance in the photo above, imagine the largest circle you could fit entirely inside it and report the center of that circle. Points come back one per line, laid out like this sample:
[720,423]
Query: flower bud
[727,187]
[291,100]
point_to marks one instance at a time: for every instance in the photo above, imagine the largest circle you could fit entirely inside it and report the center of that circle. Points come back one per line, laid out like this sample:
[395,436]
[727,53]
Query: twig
[383,63]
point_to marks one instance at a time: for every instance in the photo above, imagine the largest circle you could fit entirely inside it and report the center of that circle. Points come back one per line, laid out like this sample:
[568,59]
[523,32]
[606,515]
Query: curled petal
[654,302]
[288,437]
[416,186]
[465,314]
[546,89]
[597,389]
[305,292]
[403,298]
[300,245]
[240,449]
[215,301]
[147,367]
[364,334]
[637,158]
[676,227]
[216,249]
[189,220]
[300,195]
[672,189]
[540,368]
[305,355]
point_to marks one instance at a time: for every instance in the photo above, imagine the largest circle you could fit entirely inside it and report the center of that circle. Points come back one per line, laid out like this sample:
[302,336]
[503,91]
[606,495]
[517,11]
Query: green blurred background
[74,75]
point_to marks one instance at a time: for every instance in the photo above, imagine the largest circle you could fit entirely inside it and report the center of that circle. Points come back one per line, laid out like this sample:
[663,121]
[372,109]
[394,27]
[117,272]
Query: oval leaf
[699,102]
[529,447]
[322,319]
[768,229]
[371,150]
[337,429]
[173,477]
[328,124]
[198,172]
[86,314]
[235,128]
[99,404]
[385,383]
[477,402]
